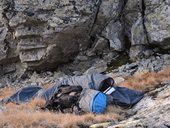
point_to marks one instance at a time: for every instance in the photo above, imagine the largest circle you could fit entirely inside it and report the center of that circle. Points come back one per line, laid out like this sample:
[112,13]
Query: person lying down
[86,93]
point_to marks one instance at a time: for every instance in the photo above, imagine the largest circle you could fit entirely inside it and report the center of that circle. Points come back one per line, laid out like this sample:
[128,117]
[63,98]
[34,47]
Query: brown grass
[146,81]
[6,92]
[29,114]
[40,119]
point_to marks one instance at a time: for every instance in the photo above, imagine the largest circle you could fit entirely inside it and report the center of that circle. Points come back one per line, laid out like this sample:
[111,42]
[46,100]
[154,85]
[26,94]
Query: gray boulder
[157,22]
[131,13]
[138,52]
[100,46]
[147,23]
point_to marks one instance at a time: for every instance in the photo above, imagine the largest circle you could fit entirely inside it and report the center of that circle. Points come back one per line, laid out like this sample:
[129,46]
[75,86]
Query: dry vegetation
[29,114]
[147,81]
[6,92]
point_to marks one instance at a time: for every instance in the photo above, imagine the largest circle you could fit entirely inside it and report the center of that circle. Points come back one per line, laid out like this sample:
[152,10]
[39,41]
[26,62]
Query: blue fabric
[98,104]
[25,94]
[126,97]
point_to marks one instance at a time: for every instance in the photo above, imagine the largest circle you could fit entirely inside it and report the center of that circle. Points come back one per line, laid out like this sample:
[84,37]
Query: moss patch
[119,61]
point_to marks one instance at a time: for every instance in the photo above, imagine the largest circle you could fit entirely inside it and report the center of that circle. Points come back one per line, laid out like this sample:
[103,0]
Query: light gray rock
[138,33]
[157,22]
[135,28]
[98,67]
[132,12]
[139,52]
[3,45]
[109,56]
[2,108]
[100,46]
[8,53]
[114,33]
[147,23]
[108,11]
[81,58]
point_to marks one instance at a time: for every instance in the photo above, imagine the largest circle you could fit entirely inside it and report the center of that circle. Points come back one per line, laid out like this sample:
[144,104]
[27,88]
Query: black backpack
[65,100]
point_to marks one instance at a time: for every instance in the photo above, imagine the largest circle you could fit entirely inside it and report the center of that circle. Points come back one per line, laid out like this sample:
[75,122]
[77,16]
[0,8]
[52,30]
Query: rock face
[42,34]
[158,22]
[45,33]
[114,33]
[147,24]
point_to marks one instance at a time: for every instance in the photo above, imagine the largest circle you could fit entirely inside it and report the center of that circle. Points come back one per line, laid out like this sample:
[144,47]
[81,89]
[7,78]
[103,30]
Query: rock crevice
[143,20]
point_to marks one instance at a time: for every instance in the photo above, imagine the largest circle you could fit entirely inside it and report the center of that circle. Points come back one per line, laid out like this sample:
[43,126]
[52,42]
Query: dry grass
[29,114]
[6,92]
[40,119]
[147,81]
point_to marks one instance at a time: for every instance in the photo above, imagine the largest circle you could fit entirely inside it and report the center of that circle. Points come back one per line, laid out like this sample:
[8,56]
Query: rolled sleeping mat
[93,101]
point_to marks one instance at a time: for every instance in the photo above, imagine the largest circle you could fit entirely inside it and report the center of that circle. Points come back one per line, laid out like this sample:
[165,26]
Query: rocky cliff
[43,34]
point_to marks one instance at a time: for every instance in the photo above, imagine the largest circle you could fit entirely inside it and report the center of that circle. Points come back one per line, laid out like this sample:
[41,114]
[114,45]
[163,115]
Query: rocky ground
[152,64]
